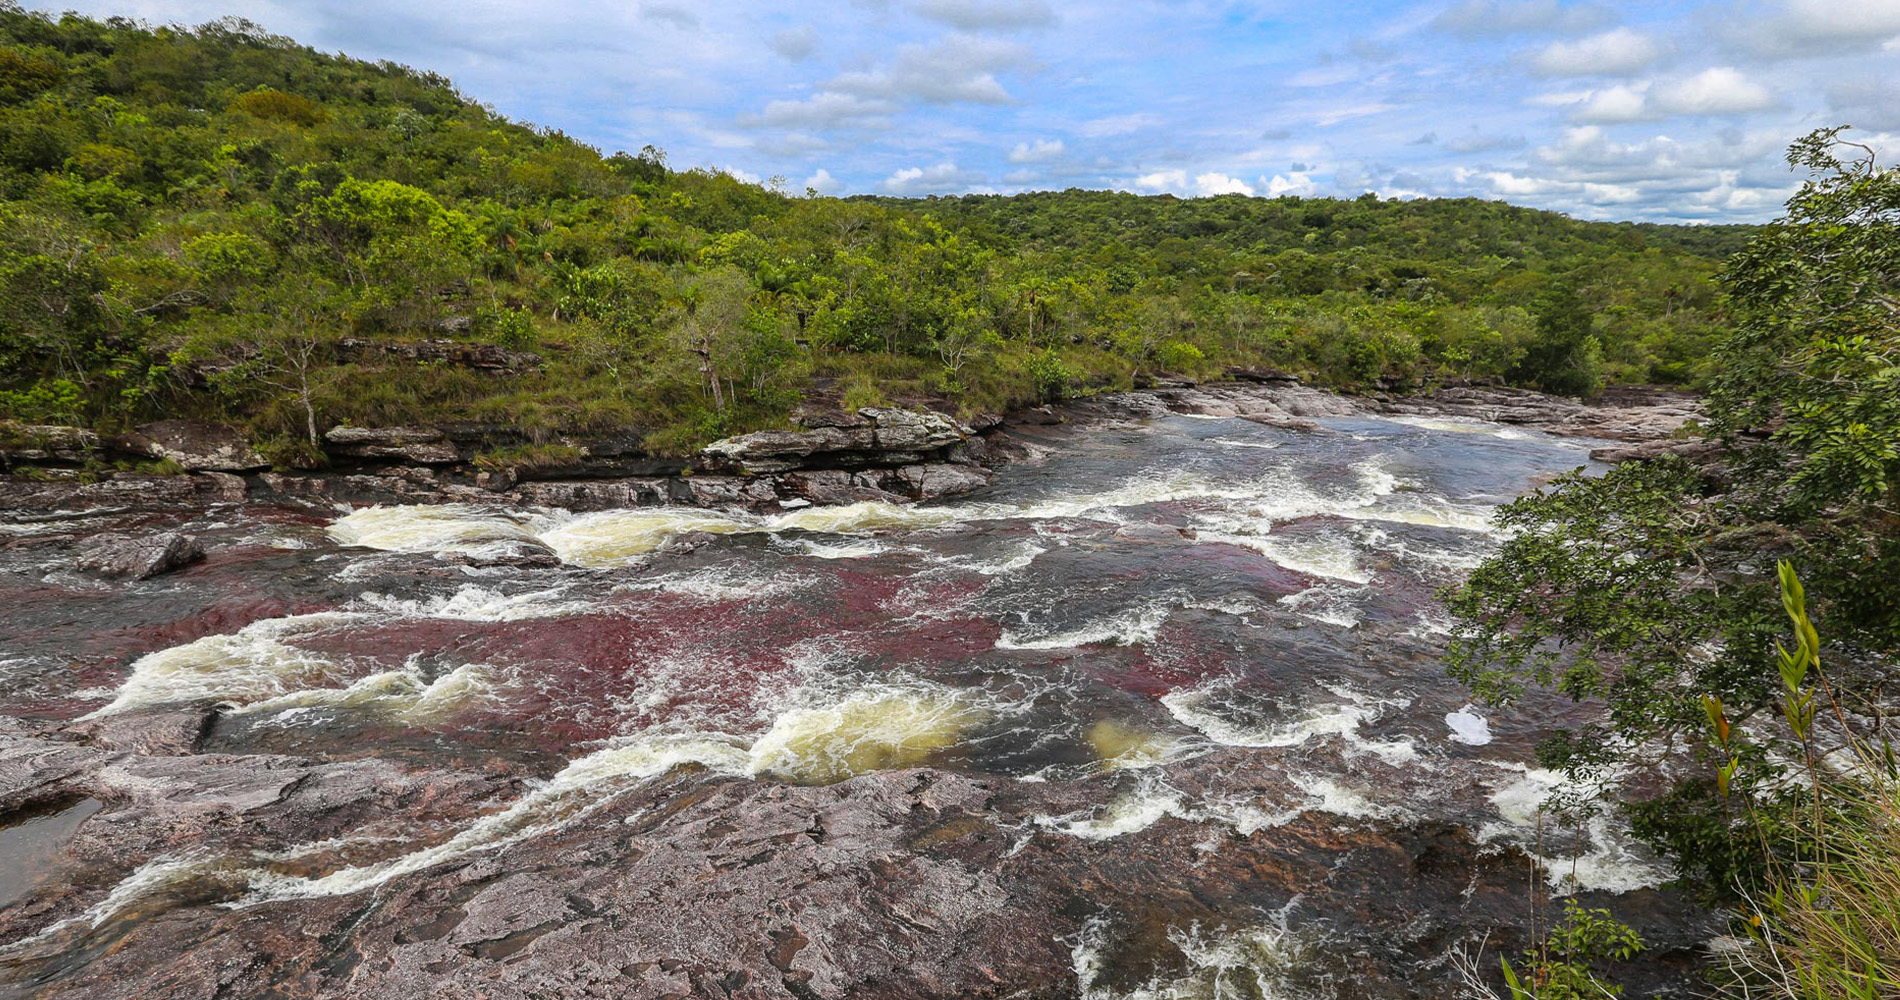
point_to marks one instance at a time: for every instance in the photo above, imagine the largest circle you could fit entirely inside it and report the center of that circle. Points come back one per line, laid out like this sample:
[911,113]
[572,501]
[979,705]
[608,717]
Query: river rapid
[1160,713]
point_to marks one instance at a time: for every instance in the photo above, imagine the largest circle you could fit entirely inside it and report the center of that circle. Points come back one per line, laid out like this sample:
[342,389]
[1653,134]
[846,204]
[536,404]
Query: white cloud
[1212,184]
[796,44]
[1615,104]
[1042,151]
[824,110]
[954,69]
[822,182]
[1294,183]
[1162,180]
[986,15]
[1204,185]
[1721,90]
[1619,52]
[944,177]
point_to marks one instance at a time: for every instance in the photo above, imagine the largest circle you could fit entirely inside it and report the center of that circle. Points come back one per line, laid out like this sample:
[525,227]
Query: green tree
[1646,589]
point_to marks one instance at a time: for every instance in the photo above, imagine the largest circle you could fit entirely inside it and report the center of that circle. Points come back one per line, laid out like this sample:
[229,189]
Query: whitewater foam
[1208,708]
[1129,627]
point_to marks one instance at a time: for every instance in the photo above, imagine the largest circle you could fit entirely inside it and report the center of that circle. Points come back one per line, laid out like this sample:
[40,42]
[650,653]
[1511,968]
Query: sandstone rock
[230,487]
[496,480]
[592,494]
[880,436]
[129,557]
[120,490]
[194,444]
[154,734]
[1692,449]
[45,442]
[424,445]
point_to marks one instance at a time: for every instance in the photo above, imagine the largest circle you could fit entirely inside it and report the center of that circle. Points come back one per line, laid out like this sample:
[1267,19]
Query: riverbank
[832,456]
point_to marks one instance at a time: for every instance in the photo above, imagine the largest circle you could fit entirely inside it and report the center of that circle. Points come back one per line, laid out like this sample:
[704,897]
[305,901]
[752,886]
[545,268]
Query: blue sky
[1663,111]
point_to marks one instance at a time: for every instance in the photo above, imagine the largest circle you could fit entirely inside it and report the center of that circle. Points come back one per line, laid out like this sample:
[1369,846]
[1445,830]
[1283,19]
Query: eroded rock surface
[139,557]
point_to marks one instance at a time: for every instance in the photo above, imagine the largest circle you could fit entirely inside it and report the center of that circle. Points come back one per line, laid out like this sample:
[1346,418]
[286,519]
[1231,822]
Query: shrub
[275,105]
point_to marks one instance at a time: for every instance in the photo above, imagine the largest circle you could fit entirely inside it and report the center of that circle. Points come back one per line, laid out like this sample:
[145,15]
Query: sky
[1666,111]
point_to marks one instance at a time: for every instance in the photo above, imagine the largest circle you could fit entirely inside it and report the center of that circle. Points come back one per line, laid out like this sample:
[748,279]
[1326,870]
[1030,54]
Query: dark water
[1140,595]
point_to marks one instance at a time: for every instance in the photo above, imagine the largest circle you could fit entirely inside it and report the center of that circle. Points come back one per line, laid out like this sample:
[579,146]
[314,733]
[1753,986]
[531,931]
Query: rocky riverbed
[1145,701]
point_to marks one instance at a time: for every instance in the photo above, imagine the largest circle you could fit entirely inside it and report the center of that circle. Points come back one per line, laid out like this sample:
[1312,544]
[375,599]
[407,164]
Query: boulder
[129,557]
[45,442]
[423,445]
[883,436]
[194,444]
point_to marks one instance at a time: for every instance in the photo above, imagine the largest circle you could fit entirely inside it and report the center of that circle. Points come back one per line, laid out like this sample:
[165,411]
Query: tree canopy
[201,221]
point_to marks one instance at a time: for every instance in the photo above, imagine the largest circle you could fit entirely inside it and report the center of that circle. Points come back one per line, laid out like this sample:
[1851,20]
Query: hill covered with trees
[220,223]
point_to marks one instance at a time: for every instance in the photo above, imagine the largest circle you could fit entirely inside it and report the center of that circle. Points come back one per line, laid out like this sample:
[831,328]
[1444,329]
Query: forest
[220,223]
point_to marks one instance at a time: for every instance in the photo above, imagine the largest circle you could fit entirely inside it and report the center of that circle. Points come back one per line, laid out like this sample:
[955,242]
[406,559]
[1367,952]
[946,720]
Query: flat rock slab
[139,557]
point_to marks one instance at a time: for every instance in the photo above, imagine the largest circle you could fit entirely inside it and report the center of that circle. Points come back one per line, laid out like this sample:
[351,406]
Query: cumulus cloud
[1722,90]
[945,177]
[986,15]
[822,111]
[1589,173]
[1798,28]
[959,68]
[1719,90]
[1491,18]
[1618,52]
[796,44]
[1205,185]
[1041,151]
[822,182]
[1293,183]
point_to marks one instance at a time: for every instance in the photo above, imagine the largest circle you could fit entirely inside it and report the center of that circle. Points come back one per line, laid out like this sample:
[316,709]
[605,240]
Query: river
[1160,713]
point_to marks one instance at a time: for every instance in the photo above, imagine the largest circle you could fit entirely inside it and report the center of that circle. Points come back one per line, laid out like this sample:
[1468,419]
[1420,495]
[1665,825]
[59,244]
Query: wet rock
[928,482]
[423,445]
[716,491]
[118,490]
[591,494]
[138,557]
[154,734]
[194,444]
[496,480]
[229,487]
[833,487]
